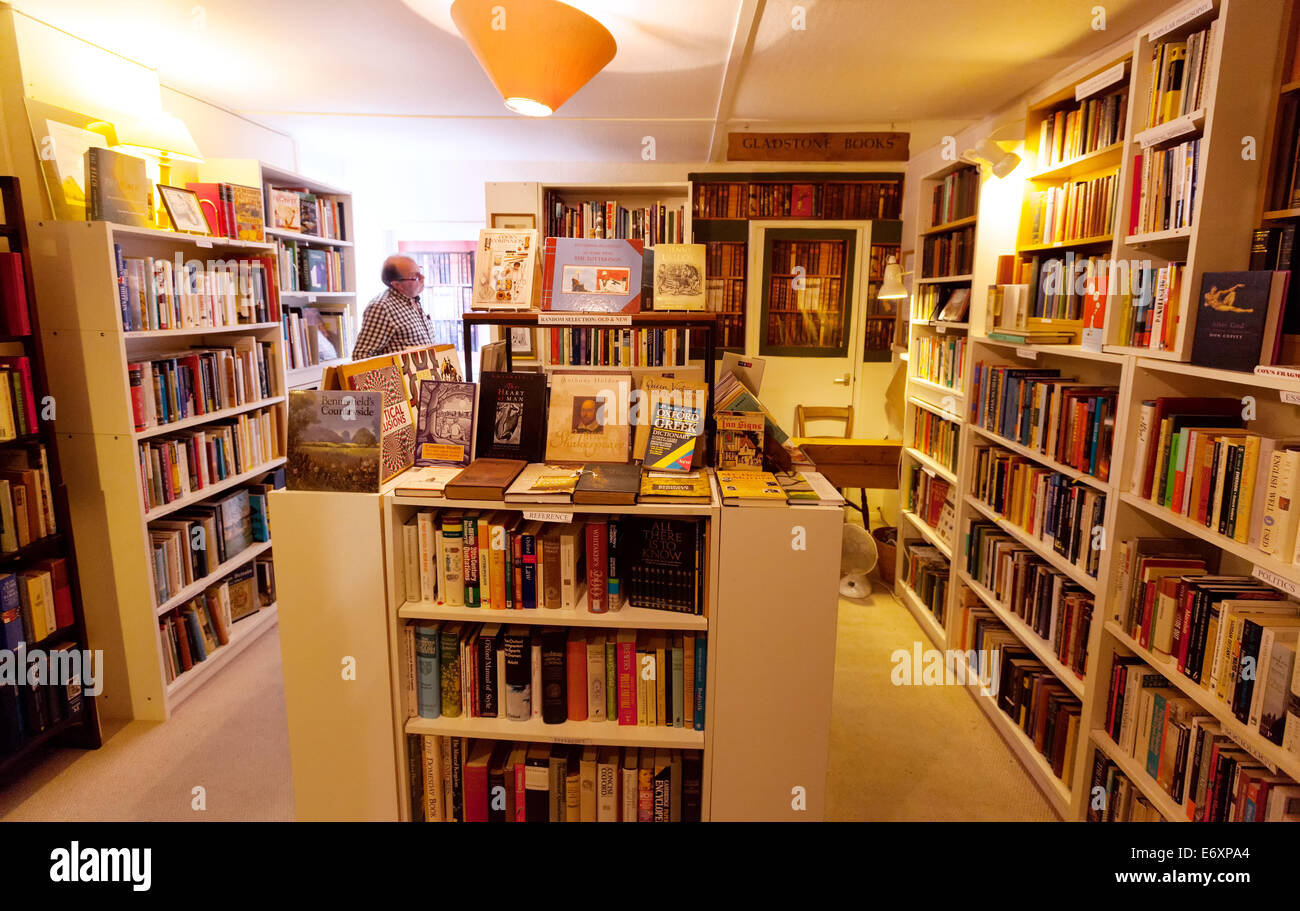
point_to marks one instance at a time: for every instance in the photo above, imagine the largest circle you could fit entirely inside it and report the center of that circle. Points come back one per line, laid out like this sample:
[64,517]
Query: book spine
[597,545]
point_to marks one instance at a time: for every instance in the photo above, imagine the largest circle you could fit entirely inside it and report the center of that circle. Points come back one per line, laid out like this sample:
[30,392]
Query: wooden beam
[748,17]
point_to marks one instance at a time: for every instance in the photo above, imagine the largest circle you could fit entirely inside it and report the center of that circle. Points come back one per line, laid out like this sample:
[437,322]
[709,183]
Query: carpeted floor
[896,753]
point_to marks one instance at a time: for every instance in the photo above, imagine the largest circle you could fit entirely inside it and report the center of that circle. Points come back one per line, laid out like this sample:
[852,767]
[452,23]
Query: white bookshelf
[81,320]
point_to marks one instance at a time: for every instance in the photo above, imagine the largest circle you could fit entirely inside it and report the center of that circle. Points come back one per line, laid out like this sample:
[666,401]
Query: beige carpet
[230,738]
[896,753]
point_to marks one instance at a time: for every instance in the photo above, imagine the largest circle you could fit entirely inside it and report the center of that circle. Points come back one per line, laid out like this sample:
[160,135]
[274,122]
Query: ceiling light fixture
[537,53]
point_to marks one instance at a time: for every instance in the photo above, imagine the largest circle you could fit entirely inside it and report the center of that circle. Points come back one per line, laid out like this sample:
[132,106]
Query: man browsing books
[394,320]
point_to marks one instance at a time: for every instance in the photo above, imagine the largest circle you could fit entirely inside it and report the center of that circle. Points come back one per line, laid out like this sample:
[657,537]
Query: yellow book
[675,487]
[1246,496]
[33,592]
[750,488]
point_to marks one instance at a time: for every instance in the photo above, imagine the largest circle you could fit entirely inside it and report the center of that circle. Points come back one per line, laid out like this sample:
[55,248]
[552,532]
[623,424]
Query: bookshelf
[651,213]
[80,728]
[83,328]
[321,321]
[357,730]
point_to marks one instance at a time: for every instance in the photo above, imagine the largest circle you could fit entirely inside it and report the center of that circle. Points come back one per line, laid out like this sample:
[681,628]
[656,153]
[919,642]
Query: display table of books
[462,654]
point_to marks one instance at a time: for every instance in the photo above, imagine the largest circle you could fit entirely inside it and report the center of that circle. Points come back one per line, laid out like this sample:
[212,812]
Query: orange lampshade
[537,53]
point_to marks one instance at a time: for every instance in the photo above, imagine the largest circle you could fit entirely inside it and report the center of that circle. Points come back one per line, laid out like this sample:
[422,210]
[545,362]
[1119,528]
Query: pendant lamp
[537,53]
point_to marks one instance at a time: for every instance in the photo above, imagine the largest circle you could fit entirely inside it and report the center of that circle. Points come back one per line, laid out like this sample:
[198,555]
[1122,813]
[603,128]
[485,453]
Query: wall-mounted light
[988,152]
[891,286]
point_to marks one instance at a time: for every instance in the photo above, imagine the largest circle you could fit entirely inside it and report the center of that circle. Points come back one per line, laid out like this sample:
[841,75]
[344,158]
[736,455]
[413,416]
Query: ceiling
[394,74]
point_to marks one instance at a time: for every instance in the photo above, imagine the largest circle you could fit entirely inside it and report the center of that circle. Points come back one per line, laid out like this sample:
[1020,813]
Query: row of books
[1165,191]
[812,296]
[14,318]
[1121,799]
[456,779]
[176,465]
[948,254]
[925,572]
[1283,188]
[725,259]
[804,328]
[654,224]
[162,294]
[315,336]
[814,257]
[1073,211]
[955,197]
[174,387]
[1051,604]
[1056,286]
[27,710]
[588,346]
[936,437]
[192,632]
[940,302]
[18,416]
[1187,754]
[1064,514]
[35,603]
[1023,687]
[446,268]
[1067,420]
[929,498]
[724,296]
[26,498]
[499,560]
[880,254]
[193,543]
[555,674]
[856,200]
[1178,80]
[878,333]
[1092,124]
[299,209]
[939,359]
[307,268]
[1149,318]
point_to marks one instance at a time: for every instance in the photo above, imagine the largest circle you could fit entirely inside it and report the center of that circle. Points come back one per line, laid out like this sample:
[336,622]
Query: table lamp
[163,137]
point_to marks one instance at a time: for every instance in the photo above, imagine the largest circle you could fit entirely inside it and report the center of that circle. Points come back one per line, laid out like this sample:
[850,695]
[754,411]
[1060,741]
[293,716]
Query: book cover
[674,429]
[609,485]
[511,412]
[484,479]
[592,276]
[247,205]
[285,213]
[1234,308]
[506,270]
[118,188]
[750,488]
[334,441]
[672,487]
[663,560]
[740,439]
[679,276]
[397,428]
[584,422]
[659,394]
[445,432]
[542,483]
[802,200]
[242,586]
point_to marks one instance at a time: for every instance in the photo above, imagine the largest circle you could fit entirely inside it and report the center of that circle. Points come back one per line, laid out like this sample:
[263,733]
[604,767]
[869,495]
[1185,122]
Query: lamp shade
[537,53]
[891,287]
[160,134]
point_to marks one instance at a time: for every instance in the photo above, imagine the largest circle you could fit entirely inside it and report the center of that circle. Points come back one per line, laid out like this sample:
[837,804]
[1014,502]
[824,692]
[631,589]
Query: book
[592,276]
[484,479]
[445,429]
[679,276]
[334,441]
[611,484]
[511,416]
[542,483]
[750,488]
[664,561]
[672,487]
[740,440]
[397,429]
[425,482]
[747,369]
[583,423]
[1239,318]
[118,189]
[506,270]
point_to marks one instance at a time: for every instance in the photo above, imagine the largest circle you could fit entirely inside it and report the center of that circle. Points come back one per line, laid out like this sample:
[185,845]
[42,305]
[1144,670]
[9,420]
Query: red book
[575,666]
[625,652]
[57,567]
[13,295]
[475,781]
[272,288]
[182,641]
[212,203]
[596,532]
[521,795]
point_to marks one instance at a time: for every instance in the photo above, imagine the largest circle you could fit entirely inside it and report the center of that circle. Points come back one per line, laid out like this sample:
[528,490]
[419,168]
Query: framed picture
[62,138]
[523,343]
[184,210]
[513,221]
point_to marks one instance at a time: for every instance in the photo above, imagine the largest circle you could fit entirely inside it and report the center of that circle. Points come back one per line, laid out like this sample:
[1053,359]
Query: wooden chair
[804,413]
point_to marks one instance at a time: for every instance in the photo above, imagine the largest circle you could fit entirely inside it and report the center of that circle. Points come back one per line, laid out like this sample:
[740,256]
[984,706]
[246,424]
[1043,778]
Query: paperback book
[445,435]
[334,440]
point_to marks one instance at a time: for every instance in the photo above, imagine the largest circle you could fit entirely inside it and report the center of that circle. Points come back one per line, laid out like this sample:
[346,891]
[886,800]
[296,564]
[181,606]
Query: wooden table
[854,463]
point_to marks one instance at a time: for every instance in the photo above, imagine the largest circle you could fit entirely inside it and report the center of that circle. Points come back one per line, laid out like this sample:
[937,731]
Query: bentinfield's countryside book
[592,276]
[679,276]
[505,270]
[334,440]
[445,434]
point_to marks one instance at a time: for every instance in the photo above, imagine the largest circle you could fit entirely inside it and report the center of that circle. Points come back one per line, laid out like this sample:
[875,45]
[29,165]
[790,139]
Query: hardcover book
[802,200]
[445,434]
[484,479]
[1238,319]
[608,485]
[679,276]
[247,205]
[397,430]
[592,276]
[285,214]
[506,270]
[584,423]
[425,482]
[511,415]
[665,560]
[118,188]
[672,487]
[542,483]
[334,440]
[740,439]
[750,488]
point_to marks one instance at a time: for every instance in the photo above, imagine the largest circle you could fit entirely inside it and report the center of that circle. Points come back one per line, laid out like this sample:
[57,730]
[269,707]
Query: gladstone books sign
[817,146]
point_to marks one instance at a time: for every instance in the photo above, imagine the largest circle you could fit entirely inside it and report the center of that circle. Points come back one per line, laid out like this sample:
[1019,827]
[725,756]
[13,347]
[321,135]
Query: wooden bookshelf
[83,328]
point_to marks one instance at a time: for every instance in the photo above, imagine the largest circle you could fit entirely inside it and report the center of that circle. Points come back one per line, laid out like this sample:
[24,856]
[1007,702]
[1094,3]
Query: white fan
[858,557]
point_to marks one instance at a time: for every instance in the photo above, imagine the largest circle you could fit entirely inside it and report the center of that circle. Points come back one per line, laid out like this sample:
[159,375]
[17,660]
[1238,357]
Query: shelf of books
[1185,183]
[172,403]
[650,213]
[40,591]
[310,226]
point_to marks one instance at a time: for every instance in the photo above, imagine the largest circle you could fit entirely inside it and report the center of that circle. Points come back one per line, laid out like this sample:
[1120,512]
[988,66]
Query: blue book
[11,618]
[428,670]
[122,297]
[1157,733]
[257,512]
[198,651]
[528,570]
[701,653]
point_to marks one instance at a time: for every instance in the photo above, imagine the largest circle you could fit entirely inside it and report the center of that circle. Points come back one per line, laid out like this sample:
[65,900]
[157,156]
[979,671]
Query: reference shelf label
[584,319]
[205,244]
[1289,396]
[1273,579]
[1027,353]
[537,515]
[1102,80]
